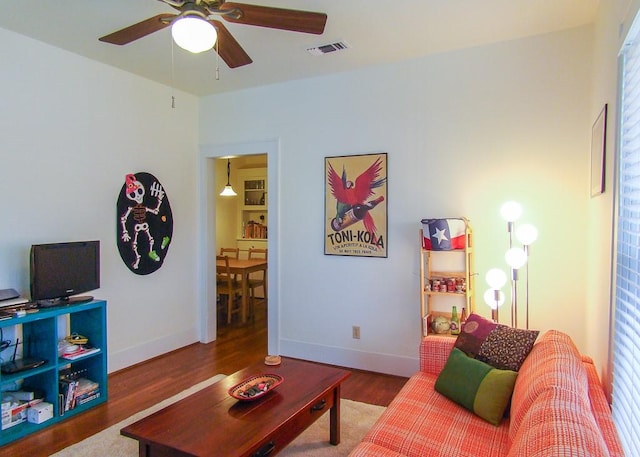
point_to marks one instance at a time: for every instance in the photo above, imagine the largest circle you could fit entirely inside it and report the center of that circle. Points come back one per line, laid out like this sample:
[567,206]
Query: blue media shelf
[41,331]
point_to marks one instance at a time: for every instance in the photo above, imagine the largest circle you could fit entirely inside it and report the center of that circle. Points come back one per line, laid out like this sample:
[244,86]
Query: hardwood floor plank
[141,386]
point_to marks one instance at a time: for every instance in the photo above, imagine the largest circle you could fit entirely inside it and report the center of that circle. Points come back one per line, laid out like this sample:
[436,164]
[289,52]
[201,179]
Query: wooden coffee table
[212,423]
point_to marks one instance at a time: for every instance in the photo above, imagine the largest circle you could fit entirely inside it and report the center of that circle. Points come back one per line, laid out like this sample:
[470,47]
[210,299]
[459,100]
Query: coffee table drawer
[289,430]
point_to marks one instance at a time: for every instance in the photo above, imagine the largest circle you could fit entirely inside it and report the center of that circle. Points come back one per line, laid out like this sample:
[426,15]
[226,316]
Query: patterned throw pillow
[498,345]
[476,386]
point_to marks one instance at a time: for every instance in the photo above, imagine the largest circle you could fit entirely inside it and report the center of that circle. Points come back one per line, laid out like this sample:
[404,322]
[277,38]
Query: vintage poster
[356,205]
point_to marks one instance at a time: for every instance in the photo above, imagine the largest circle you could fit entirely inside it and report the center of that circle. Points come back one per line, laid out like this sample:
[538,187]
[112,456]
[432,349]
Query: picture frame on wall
[598,152]
[356,205]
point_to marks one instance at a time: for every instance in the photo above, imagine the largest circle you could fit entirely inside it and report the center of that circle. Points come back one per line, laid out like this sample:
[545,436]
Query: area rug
[356,419]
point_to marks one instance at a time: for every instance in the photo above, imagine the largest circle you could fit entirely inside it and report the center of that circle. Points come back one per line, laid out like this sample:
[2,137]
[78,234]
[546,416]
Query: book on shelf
[82,351]
[255,230]
[87,398]
[67,389]
[74,392]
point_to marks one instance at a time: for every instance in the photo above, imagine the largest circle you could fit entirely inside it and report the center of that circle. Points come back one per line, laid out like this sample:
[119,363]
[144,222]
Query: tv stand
[43,329]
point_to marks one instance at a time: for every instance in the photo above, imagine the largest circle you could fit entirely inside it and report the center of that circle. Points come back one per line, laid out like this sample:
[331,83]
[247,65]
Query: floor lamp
[527,234]
[516,258]
[511,212]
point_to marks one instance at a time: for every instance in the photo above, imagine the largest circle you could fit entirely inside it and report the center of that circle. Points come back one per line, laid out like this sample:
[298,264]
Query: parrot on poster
[349,194]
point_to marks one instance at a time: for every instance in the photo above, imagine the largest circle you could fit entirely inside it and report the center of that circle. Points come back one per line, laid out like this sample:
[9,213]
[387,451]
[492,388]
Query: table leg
[143,449]
[334,418]
[245,284]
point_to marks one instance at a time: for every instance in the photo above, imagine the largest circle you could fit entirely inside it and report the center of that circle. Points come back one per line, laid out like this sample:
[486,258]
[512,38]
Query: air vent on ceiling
[328,48]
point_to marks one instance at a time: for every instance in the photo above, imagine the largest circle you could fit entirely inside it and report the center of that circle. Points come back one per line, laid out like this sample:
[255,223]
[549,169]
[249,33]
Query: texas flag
[444,234]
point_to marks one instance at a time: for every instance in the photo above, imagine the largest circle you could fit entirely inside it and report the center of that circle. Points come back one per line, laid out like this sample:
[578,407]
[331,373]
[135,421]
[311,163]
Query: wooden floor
[141,386]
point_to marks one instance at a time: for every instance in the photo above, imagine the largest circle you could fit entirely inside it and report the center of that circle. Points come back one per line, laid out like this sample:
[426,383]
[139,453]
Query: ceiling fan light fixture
[194,34]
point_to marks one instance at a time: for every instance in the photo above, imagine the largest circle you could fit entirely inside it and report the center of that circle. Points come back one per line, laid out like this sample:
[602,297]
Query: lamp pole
[511,212]
[527,234]
[516,258]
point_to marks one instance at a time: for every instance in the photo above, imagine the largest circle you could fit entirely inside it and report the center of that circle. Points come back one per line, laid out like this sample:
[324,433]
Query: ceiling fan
[206,10]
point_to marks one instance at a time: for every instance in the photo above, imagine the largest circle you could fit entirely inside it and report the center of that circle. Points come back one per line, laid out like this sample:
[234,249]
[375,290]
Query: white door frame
[207,223]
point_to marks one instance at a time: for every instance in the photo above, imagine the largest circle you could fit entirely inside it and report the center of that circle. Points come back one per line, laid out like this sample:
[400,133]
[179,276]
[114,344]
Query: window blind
[626,358]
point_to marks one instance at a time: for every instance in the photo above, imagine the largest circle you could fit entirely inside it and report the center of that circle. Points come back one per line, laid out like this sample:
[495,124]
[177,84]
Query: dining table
[243,268]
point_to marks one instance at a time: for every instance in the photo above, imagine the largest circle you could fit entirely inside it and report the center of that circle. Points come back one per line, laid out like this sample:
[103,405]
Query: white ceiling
[376,31]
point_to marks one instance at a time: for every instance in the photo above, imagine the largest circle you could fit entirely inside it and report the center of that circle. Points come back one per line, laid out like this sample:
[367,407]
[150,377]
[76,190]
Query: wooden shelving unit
[450,270]
[41,331]
[253,209]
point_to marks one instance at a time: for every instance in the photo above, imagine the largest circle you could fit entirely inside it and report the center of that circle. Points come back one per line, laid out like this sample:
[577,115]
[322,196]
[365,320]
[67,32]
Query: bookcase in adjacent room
[40,333]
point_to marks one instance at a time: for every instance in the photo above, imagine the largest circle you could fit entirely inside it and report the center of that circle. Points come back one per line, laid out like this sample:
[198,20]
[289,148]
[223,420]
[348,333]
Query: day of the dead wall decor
[144,224]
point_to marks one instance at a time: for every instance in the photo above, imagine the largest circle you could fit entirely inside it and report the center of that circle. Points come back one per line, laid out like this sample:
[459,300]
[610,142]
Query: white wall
[465,131]
[70,130]
[612,24]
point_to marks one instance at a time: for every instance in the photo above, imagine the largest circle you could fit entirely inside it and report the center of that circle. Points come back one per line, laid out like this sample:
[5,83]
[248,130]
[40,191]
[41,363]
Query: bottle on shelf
[463,318]
[356,213]
[455,321]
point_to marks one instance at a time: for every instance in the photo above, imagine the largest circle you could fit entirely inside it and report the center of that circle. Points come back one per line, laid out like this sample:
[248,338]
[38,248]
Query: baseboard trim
[370,361]
[145,351]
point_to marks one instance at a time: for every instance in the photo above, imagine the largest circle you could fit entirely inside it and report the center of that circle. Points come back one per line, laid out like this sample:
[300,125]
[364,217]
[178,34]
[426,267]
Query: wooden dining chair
[226,285]
[233,253]
[259,279]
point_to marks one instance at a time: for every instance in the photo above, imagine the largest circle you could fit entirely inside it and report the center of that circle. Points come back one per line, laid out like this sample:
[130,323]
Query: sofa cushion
[498,345]
[420,422]
[554,362]
[476,386]
[558,424]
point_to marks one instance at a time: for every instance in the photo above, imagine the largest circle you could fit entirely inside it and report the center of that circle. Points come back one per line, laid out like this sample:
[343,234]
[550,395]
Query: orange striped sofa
[558,409]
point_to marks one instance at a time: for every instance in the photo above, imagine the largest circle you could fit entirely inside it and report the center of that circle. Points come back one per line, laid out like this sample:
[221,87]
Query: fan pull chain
[173,98]
[218,59]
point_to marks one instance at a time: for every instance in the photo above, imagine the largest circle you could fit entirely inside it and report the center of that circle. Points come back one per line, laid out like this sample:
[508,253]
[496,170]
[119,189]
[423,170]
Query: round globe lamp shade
[527,234]
[496,278]
[194,34]
[511,211]
[516,258]
[490,298]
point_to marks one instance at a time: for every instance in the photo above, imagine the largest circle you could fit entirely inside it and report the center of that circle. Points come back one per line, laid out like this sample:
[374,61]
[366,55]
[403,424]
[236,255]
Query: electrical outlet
[355,332]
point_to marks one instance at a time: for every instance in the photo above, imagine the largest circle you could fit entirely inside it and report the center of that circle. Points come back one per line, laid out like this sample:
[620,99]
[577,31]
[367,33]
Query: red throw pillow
[498,345]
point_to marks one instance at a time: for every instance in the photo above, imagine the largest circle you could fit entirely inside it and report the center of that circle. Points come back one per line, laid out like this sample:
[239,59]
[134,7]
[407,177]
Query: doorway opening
[242,223]
[211,183]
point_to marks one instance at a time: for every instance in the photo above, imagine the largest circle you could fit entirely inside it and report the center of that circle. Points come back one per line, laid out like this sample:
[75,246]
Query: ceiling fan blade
[277,18]
[228,48]
[139,30]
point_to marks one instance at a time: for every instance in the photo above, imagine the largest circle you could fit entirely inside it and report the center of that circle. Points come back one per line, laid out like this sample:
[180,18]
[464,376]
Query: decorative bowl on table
[255,386]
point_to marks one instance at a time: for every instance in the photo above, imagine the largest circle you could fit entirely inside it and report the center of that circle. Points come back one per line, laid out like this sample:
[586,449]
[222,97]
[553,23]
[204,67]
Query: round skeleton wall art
[144,223]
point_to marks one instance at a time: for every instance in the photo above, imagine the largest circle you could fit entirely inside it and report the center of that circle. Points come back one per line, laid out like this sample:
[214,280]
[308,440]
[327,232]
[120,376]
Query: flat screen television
[61,271]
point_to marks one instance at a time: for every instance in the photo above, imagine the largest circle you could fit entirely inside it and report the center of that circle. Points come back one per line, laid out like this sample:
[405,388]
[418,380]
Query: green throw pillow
[476,386]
